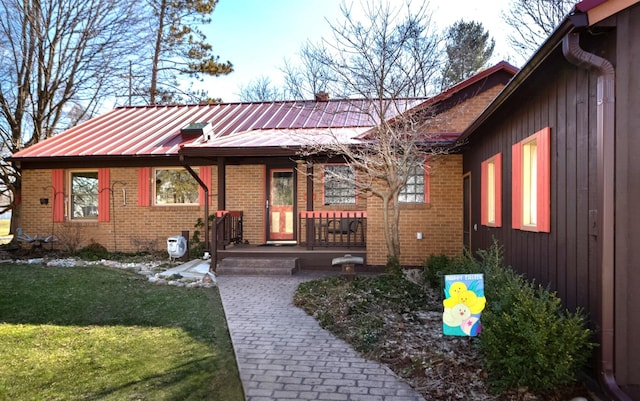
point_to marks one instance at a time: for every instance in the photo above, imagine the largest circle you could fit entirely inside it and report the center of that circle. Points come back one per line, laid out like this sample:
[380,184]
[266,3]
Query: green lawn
[96,333]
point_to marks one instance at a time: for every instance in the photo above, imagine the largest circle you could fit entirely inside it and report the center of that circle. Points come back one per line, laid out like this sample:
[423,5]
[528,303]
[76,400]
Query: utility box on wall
[176,246]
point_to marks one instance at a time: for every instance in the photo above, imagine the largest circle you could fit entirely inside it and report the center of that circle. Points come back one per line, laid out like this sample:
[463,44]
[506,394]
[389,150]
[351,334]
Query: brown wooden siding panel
[562,258]
[627,200]
[564,98]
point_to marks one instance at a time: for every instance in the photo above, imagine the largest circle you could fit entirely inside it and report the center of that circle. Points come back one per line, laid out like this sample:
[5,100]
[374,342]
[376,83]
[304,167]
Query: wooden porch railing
[226,229]
[333,229]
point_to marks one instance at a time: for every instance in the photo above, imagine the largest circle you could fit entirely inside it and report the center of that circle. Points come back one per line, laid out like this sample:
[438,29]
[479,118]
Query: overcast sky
[258,35]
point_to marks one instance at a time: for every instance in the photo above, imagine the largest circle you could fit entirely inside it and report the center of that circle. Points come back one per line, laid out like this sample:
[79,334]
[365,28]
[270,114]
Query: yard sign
[463,304]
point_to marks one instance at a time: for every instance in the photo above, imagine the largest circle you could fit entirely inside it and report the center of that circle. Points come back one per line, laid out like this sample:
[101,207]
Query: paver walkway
[283,354]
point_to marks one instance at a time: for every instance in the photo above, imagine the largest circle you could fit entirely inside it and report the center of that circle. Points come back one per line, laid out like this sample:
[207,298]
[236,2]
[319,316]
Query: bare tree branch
[58,56]
[533,21]
[383,62]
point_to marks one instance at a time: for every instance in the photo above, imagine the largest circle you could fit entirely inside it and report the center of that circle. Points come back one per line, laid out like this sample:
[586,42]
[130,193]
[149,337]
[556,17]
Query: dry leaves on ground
[410,341]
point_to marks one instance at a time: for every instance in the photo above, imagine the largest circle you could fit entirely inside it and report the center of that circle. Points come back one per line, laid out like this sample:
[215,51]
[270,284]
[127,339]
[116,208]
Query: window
[531,183]
[84,195]
[491,191]
[175,186]
[339,187]
[417,188]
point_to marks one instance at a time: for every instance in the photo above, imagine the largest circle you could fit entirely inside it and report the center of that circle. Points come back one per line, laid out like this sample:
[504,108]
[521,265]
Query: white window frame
[196,187]
[76,213]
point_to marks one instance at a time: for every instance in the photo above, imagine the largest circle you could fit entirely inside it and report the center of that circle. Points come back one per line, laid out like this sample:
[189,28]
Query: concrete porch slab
[192,269]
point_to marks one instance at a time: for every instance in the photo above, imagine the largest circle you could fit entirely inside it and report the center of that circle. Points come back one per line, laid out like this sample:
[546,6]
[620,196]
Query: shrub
[527,339]
[393,267]
[93,251]
[532,342]
[437,266]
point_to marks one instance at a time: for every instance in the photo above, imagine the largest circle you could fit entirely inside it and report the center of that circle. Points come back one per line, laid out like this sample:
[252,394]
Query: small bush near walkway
[527,338]
[89,333]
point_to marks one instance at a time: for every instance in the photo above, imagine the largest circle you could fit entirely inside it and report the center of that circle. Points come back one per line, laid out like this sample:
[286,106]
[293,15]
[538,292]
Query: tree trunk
[391,223]
[156,53]
[16,211]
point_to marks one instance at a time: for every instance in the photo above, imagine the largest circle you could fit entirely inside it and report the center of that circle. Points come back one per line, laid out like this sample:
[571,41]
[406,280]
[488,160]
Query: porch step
[259,265]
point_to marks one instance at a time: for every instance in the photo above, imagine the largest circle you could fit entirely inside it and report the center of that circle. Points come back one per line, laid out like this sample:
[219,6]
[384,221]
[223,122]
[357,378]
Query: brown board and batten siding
[627,202]
[564,258]
[557,94]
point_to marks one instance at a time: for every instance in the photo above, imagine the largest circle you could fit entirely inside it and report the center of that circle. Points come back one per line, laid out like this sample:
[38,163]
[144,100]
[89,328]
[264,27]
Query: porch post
[310,227]
[222,183]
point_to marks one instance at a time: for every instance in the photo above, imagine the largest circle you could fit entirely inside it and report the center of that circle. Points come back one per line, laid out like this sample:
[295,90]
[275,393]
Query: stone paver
[283,354]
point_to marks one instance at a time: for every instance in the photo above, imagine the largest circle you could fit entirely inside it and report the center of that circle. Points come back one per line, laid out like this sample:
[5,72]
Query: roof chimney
[322,97]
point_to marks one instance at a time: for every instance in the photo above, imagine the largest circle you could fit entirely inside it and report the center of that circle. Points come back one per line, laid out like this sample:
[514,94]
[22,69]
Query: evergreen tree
[181,49]
[469,47]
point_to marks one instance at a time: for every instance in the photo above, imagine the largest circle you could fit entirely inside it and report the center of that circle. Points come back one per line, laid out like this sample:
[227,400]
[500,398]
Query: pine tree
[468,48]
[181,48]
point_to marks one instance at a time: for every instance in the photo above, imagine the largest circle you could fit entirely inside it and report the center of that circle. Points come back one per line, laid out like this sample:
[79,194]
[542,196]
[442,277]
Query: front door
[280,204]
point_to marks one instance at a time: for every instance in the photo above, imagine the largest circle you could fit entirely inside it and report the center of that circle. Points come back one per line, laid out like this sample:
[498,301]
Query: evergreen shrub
[527,338]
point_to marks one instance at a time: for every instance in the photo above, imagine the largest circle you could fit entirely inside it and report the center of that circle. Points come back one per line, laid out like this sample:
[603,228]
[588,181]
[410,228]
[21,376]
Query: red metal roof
[156,130]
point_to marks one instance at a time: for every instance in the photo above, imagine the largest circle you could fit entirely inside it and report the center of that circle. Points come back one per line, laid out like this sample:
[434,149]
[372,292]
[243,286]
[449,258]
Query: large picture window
[531,183]
[175,186]
[491,191]
[417,188]
[339,188]
[84,195]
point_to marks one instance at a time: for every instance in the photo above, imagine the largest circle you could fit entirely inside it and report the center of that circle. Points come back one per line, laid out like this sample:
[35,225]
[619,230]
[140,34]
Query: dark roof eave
[260,151]
[50,162]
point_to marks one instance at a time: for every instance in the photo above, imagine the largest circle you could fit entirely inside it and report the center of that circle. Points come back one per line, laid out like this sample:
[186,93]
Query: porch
[322,236]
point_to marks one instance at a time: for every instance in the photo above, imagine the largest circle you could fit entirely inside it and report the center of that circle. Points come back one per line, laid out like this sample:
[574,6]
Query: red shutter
[144,192]
[104,194]
[57,197]
[484,213]
[204,172]
[497,162]
[516,186]
[544,180]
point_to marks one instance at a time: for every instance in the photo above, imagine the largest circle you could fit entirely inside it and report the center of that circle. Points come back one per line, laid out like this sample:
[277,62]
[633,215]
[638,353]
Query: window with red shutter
[531,183]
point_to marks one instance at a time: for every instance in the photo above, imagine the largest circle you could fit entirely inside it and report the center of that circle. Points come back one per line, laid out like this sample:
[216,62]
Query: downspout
[206,199]
[605,132]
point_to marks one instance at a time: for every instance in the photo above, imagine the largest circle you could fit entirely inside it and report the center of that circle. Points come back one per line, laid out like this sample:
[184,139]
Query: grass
[96,333]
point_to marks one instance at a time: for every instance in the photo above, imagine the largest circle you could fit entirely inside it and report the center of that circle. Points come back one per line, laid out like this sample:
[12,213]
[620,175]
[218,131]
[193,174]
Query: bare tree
[532,21]
[384,61]
[60,60]
[261,90]
[306,78]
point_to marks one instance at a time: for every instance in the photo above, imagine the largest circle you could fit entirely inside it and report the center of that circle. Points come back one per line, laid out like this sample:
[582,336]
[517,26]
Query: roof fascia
[598,10]
[272,151]
[51,162]
[467,83]
[456,90]
[538,58]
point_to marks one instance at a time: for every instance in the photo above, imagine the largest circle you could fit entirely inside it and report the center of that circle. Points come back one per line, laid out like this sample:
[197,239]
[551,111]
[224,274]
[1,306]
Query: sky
[257,36]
